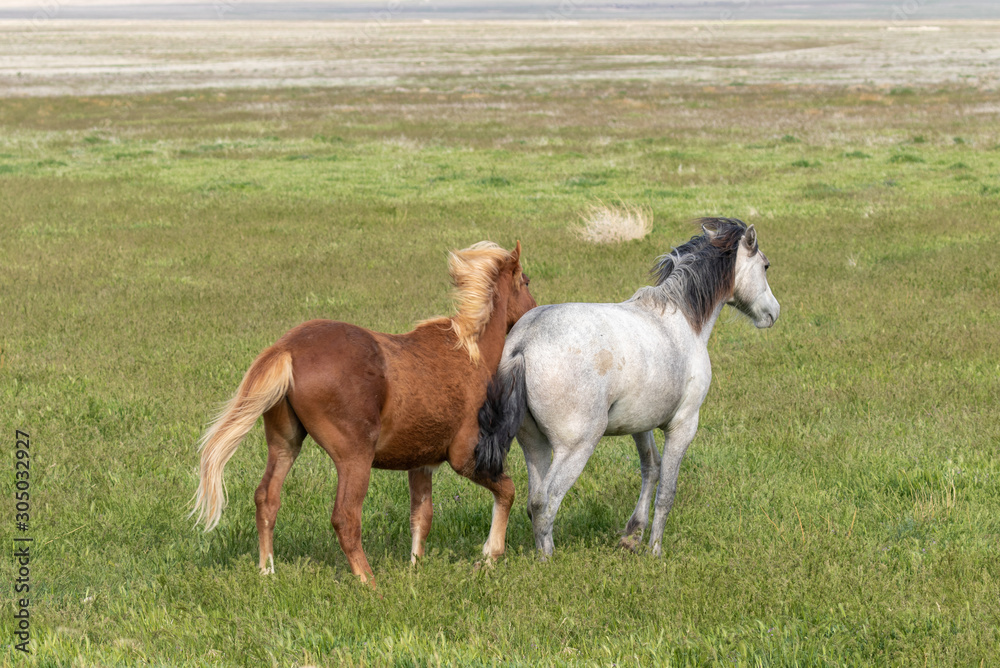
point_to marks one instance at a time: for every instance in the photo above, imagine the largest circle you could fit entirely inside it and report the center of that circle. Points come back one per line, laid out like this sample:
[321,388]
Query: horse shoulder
[433,390]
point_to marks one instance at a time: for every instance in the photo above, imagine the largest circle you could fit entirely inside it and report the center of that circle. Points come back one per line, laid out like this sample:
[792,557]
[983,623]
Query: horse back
[406,396]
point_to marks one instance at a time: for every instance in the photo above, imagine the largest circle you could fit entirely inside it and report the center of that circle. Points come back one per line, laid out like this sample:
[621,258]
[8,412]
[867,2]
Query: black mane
[696,275]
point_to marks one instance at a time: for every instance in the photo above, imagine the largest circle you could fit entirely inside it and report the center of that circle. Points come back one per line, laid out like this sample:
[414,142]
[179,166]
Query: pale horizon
[383,10]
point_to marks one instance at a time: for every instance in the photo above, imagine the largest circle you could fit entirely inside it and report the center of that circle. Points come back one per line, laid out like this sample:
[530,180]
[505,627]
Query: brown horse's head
[485,275]
[520,300]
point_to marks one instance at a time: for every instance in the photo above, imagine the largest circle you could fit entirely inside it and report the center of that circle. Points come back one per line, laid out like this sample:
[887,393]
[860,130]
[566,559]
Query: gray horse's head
[723,264]
[751,293]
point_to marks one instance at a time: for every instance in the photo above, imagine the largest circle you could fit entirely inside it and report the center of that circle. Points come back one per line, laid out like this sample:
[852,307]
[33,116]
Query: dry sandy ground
[58,57]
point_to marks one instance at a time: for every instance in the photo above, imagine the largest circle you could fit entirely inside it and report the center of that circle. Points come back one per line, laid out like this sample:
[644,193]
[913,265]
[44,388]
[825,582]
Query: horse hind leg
[537,458]
[350,442]
[568,461]
[421,508]
[284,435]
[649,462]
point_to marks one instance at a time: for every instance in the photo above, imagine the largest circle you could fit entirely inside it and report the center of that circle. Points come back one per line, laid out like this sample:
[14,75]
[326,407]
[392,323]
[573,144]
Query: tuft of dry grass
[610,224]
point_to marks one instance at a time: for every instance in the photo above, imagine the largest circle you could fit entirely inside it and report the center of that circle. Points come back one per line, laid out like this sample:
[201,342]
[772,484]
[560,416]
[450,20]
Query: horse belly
[419,427]
[406,444]
[624,422]
[639,414]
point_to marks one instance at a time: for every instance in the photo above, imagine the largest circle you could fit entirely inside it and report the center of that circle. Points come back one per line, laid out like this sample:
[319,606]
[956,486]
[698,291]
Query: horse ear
[710,230]
[516,254]
[750,239]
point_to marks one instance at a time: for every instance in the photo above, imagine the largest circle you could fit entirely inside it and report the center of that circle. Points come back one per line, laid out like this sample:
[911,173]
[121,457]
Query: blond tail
[265,384]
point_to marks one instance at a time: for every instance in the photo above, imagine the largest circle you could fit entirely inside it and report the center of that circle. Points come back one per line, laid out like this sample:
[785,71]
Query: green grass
[839,505]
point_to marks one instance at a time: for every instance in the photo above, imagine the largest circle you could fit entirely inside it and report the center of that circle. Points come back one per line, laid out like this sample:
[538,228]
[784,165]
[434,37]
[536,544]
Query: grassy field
[839,506]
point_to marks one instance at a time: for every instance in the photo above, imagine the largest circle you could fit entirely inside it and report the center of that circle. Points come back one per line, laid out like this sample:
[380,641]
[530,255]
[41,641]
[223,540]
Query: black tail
[501,416]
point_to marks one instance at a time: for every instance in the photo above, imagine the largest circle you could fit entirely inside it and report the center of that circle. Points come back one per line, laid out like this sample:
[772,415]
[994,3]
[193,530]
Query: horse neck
[495,333]
[702,321]
[659,300]
[706,329]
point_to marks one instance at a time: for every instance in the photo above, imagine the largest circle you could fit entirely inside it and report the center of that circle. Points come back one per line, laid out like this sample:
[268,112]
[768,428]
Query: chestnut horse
[406,402]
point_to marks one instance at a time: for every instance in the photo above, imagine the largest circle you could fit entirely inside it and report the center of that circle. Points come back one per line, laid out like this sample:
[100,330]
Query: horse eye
[526,279]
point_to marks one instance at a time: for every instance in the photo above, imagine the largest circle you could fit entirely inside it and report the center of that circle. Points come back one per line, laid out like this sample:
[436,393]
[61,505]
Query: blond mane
[473,272]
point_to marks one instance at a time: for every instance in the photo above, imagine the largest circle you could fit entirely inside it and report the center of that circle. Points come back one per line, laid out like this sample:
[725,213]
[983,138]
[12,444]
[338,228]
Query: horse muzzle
[768,317]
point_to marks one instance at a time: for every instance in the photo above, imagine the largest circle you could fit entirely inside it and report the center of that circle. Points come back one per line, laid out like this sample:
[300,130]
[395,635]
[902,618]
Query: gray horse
[572,373]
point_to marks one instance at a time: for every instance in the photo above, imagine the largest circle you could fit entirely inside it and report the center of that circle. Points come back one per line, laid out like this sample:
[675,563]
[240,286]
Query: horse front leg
[503,499]
[421,508]
[462,459]
[678,436]
[649,463]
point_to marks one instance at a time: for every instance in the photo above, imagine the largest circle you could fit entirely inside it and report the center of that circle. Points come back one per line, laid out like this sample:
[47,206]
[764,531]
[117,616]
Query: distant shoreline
[901,11]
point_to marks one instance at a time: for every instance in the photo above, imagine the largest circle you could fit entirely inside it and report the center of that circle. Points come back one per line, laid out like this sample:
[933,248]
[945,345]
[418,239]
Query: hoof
[630,542]
[490,555]
[370,586]
[545,547]
[484,564]
[269,569]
